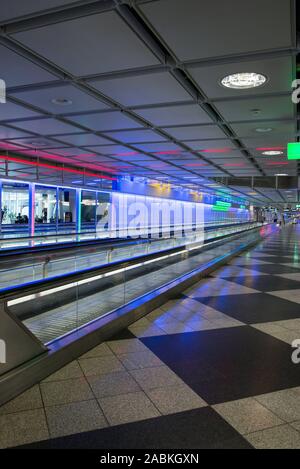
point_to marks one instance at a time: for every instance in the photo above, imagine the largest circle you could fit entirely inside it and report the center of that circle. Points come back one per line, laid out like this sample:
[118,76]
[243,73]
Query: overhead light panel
[244,80]
[263,130]
[272,152]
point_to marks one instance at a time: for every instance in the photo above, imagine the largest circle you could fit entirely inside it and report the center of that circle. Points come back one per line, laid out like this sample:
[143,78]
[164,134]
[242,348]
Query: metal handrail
[60,280]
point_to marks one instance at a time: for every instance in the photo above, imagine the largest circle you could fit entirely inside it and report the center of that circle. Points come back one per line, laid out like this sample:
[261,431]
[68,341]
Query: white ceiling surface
[126,104]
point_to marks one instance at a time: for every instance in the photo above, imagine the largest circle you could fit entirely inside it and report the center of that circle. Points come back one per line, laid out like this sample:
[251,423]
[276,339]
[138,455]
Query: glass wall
[45,205]
[111,214]
[88,209]
[15,204]
[66,206]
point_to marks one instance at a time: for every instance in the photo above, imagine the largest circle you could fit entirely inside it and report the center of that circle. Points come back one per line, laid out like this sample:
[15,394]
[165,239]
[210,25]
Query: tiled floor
[210,369]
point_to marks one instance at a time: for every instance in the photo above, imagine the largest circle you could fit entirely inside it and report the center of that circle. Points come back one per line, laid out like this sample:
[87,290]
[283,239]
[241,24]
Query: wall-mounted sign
[221,206]
[293,151]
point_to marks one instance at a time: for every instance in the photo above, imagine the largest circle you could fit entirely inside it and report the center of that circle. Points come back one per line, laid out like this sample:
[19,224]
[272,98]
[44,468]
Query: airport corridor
[212,368]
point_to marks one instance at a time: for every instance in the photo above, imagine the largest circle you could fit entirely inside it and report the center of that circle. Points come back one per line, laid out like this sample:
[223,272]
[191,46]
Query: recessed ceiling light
[62,101]
[281,174]
[38,143]
[243,81]
[255,112]
[272,152]
[263,129]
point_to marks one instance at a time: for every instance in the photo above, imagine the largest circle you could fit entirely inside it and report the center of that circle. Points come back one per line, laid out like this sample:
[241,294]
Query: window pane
[45,205]
[88,207]
[15,204]
[67,206]
[103,211]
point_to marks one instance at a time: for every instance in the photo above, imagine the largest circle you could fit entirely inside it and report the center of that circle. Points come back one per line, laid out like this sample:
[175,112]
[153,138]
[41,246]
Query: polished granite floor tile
[135,361]
[174,399]
[228,364]
[195,429]
[290,295]
[280,250]
[75,417]
[146,331]
[22,428]
[157,377]
[274,329]
[266,282]
[281,437]
[248,262]
[296,425]
[260,254]
[127,408]
[285,404]
[279,259]
[254,308]
[70,371]
[290,324]
[28,400]
[112,384]
[295,265]
[294,276]
[127,346]
[247,415]
[232,271]
[101,350]
[100,365]
[276,268]
[218,286]
[64,392]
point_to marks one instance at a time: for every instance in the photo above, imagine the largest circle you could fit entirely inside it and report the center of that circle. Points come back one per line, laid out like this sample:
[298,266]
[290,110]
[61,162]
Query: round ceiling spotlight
[272,152]
[62,101]
[243,81]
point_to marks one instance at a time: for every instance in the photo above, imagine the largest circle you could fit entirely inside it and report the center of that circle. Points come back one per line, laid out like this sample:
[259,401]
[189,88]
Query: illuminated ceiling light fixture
[281,174]
[272,152]
[243,81]
[62,101]
[38,143]
[263,130]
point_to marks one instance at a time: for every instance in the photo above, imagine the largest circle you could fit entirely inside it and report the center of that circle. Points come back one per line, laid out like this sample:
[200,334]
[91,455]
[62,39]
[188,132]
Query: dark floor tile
[265,282]
[275,259]
[273,268]
[254,308]
[282,251]
[243,362]
[195,429]
[124,334]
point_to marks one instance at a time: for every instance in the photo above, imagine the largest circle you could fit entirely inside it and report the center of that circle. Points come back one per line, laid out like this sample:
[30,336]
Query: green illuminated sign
[293,151]
[221,206]
[219,209]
